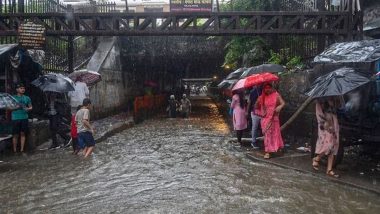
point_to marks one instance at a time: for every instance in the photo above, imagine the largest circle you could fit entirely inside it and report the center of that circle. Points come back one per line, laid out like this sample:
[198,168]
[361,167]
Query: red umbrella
[259,79]
[256,79]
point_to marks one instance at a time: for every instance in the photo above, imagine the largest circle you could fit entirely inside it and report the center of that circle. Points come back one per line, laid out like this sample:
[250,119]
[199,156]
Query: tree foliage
[247,51]
[249,5]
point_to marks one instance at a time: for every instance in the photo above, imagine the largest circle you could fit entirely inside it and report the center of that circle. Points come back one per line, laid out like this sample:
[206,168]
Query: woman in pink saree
[328,134]
[269,106]
[239,116]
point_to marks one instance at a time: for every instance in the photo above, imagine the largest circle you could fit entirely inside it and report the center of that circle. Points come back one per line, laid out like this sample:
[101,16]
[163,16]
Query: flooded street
[169,166]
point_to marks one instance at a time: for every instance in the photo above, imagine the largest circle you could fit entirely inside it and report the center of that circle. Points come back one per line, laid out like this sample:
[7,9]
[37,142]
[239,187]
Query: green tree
[244,50]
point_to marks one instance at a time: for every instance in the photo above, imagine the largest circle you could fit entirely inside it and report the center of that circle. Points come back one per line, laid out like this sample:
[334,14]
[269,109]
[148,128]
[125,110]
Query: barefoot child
[85,130]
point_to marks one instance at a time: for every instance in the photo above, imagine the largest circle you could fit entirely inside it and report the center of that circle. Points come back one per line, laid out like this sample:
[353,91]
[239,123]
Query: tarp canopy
[360,51]
[6,47]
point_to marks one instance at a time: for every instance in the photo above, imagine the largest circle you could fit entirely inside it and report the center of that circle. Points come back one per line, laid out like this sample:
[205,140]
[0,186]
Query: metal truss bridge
[343,23]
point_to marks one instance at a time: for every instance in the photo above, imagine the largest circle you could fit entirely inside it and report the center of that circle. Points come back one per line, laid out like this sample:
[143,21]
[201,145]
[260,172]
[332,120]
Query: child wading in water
[85,130]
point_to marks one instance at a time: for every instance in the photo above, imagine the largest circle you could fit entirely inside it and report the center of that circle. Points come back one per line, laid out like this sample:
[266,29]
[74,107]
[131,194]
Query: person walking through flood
[55,121]
[20,126]
[172,108]
[84,128]
[328,134]
[253,96]
[269,106]
[185,106]
[239,117]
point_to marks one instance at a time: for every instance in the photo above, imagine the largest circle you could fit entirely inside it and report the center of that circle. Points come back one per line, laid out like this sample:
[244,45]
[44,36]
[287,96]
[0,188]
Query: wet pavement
[169,166]
[352,172]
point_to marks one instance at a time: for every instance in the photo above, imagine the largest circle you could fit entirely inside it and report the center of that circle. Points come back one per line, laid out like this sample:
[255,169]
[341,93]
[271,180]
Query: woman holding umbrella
[269,106]
[326,89]
[239,116]
[328,133]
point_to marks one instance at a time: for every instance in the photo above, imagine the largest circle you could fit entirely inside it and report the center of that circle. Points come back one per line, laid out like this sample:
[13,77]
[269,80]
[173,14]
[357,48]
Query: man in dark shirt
[56,120]
[253,96]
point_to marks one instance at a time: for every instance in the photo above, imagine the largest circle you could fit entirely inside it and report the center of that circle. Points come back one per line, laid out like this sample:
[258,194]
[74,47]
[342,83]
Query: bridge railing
[319,5]
[53,6]
[57,51]
[32,6]
[299,5]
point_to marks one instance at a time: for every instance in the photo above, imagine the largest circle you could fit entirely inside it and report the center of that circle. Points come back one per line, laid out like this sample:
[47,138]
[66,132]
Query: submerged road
[169,166]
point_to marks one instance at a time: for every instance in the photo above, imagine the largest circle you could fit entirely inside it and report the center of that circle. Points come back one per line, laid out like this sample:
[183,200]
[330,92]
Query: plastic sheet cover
[360,51]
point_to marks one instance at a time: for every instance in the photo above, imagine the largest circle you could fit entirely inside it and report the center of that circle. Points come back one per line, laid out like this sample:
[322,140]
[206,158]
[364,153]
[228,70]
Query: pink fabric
[328,132]
[270,123]
[239,117]
[239,85]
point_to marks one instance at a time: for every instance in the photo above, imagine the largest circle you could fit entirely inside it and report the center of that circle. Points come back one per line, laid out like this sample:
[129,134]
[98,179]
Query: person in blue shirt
[253,96]
[20,126]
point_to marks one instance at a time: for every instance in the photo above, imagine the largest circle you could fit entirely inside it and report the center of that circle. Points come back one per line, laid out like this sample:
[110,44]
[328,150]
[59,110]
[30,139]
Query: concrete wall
[111,94]
[291,88]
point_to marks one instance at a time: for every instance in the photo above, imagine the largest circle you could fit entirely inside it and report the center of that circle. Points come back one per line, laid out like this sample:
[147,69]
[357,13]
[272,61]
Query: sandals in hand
[331,173]
[315,164]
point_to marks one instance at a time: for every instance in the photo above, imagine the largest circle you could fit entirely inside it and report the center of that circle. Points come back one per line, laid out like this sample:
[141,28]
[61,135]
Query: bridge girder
[217,24]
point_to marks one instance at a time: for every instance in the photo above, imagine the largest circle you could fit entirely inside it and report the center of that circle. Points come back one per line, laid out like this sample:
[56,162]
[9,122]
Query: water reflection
[169,166]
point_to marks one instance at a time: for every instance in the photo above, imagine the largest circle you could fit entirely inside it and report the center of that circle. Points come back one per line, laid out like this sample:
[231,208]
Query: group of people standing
[183,107]
[81,129]
[265,104]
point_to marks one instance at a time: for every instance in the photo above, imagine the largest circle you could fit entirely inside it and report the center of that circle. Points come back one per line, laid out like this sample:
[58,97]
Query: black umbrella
[270,68]
[54,83]
[236,74]
[226,84]
[337,83]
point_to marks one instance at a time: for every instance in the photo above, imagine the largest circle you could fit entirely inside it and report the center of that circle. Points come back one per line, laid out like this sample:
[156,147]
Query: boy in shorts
[20,126]
[84,128]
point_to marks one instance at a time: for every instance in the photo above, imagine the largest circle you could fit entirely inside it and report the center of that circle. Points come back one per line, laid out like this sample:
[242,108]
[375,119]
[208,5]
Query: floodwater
[169,166]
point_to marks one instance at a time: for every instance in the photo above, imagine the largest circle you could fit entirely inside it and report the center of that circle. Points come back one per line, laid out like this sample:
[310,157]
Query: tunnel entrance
[166,63]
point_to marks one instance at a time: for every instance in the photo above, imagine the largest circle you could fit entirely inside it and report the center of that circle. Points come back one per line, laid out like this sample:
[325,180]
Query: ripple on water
[169,166]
